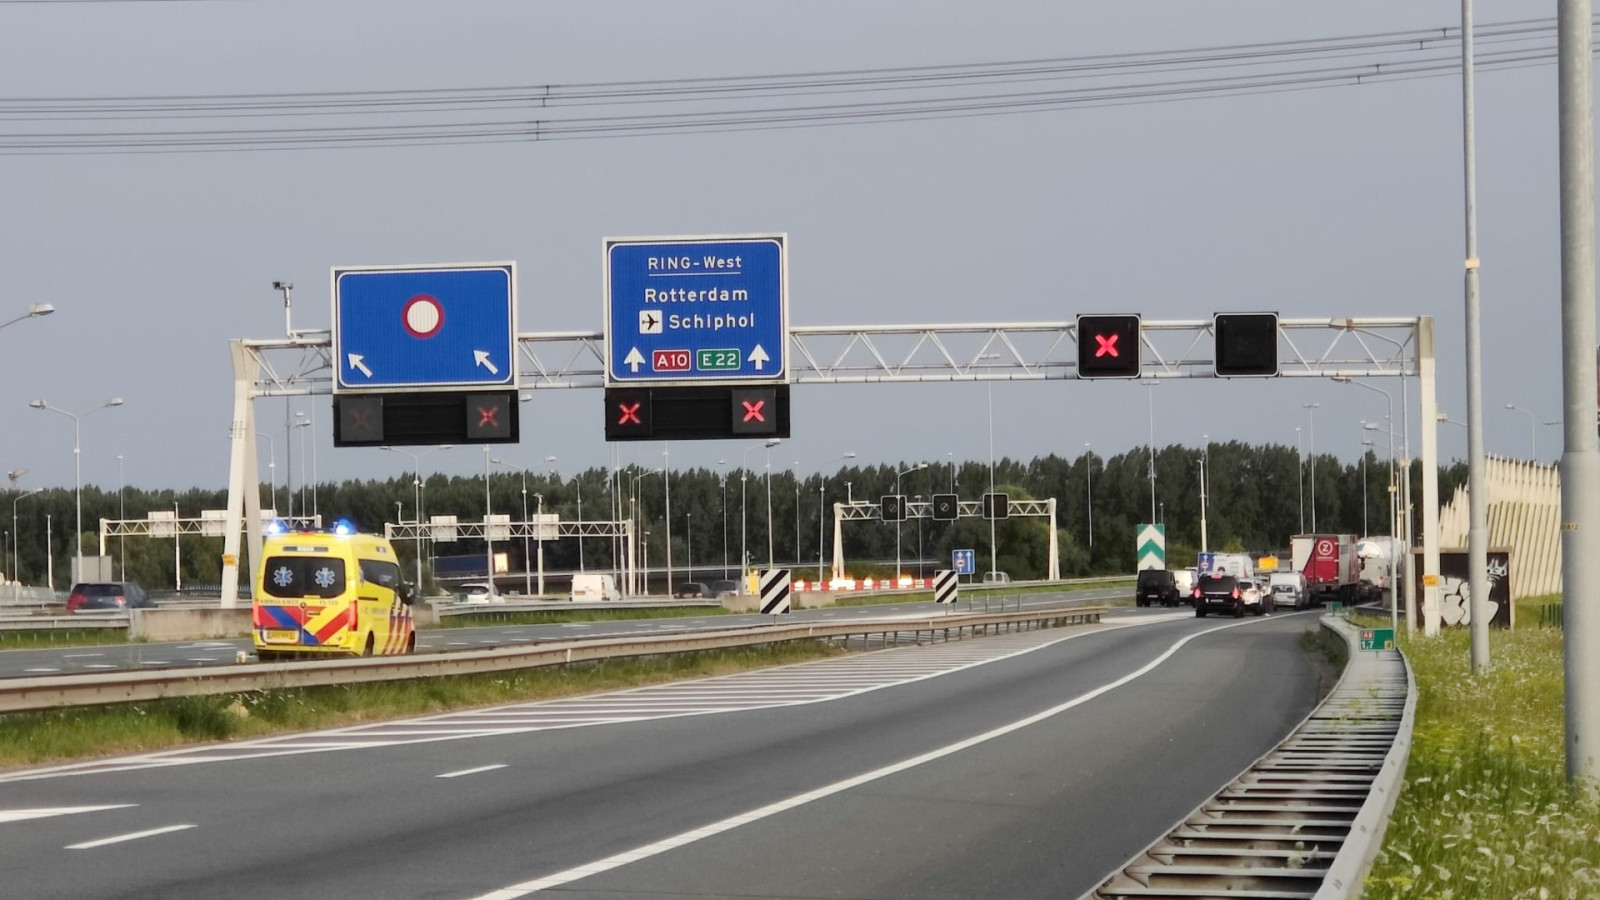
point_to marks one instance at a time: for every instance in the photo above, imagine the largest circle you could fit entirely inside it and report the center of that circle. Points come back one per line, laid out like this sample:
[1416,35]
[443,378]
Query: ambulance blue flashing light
[344,526]
[276,526]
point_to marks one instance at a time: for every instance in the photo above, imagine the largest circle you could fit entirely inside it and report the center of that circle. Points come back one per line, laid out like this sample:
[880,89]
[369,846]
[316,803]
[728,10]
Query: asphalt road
[167,655]
[1016,766]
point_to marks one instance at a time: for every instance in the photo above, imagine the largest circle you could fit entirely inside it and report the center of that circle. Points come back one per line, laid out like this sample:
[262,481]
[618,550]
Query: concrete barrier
[188,624]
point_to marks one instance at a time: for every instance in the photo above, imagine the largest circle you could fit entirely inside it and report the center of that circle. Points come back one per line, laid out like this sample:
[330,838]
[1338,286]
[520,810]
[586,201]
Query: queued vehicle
[725,588]
[1287,589]
[102,595]
[480,592]
[1225,593]
[1156,586]
[335,593]
[691,590]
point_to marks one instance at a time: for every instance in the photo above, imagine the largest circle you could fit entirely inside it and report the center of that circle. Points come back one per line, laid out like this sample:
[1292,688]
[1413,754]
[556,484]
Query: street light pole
[1205,460]
[77,463]
[16,547]
[897,524]
[416,496]
[1533,436]
[122,541]
[1152,392]
[1311,444]
[1300,477]
[1088,470]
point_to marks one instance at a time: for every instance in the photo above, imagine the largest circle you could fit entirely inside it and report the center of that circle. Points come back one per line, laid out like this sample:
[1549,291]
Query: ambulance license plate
[279,636]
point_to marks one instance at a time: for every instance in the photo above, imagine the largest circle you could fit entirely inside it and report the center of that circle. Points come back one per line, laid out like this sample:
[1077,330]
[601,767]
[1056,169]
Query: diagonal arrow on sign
[357,362]
[481,358]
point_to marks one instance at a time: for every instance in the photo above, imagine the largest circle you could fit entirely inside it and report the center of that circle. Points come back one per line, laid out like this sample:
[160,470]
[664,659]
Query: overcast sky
[1333,202]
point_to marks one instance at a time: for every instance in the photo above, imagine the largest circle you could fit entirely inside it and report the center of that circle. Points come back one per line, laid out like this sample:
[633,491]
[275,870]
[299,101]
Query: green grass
[67,637]
[53,736]
[480,618]
[1486,810]
[990,591]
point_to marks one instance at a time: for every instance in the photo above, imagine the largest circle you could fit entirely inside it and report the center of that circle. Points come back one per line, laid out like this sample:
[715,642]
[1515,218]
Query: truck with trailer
[1330,565]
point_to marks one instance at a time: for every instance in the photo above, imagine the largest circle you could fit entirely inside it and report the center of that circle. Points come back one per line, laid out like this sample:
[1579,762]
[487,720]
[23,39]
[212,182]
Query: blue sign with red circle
[421,327]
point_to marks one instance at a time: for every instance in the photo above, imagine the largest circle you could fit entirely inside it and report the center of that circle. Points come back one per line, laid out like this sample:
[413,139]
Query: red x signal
[1105,345]
[752,411]
[630,413]
[489,416]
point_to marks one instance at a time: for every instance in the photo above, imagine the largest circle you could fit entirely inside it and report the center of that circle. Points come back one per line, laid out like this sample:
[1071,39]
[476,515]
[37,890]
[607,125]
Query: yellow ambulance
[337,593]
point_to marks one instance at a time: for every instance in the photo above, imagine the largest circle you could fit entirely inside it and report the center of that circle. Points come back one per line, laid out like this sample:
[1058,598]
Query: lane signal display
[1246,344]
[1108,346]
[628,414]
[996,506]
[946,507]
[893,507]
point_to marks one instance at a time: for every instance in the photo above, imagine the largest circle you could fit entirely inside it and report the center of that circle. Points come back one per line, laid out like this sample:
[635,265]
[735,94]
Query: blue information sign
[696,310]
[965,561]
[422,327]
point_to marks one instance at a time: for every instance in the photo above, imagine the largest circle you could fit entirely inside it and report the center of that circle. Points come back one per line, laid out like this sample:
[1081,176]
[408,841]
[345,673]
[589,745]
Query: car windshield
[1225,583]
[724,585]
[1153,578]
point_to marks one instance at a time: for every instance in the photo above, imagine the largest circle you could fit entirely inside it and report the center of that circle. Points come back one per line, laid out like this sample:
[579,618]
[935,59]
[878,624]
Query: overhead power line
[595,110]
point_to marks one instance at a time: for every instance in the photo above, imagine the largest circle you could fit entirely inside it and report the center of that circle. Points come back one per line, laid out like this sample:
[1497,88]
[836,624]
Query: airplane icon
[649,322]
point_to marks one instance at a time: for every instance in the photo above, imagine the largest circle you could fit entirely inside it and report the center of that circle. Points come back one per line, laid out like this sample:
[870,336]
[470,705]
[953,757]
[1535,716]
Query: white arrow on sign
[481,357]
[633,360]
[759,356]
[357,364]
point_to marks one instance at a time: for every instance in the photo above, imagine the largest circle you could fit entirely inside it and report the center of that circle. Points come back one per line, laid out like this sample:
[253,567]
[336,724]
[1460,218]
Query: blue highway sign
[423,327]
[965,561]
[696,310]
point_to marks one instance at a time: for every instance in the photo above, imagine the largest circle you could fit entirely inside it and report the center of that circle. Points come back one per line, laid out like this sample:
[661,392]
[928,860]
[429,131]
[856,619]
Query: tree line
[1256,497]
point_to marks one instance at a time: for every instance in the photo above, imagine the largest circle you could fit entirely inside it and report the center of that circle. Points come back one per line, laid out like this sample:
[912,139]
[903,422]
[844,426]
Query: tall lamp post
[897,475]
[272,469]
[744,475]
[1088,469]
[724,480]
[1300,477]
[122,541]
[1152,386]
[77,462]
[637,515]
[1205,463]
[822,506]
[1311,445]
[416,494]
[16,563]
[1394,479]
[35,311]
[1533,435]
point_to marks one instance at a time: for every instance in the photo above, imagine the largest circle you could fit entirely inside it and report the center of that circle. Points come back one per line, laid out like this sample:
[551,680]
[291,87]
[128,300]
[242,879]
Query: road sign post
[1151,547]
[696,310]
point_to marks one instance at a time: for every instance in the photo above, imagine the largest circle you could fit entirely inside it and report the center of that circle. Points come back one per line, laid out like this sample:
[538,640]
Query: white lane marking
[153,662]
[80,655]
[202,659]
[117,839]
[577,625]
[715,828]
[41,670]
[472,771]
[99,666]
[22,815]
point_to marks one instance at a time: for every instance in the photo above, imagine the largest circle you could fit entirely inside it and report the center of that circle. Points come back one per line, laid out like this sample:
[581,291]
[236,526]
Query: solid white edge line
[688,837]
[472,771]
[23,815]
[90,845]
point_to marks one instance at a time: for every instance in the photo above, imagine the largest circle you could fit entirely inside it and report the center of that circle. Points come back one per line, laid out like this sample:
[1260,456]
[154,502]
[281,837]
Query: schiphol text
[711,323]
[691,295]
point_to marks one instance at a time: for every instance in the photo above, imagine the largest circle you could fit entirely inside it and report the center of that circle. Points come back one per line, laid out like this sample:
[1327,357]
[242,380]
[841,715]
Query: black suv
[1218,593]
[1156,586]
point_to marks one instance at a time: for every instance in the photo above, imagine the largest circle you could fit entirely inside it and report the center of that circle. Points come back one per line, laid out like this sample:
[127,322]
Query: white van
[1288,589]
[591,586]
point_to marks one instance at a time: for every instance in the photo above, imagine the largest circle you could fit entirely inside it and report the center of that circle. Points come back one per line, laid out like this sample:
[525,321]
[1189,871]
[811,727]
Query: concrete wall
[797,599]
[188,624]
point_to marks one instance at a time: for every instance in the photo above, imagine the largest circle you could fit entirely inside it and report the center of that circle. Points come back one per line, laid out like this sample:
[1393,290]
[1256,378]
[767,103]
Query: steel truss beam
[504,531]
[1353,347]
[867,511]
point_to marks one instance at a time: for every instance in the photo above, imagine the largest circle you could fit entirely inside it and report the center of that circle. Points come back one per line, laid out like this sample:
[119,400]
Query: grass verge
[479,619]
[54,736]
[44,640]
[1486,810]
[846,599]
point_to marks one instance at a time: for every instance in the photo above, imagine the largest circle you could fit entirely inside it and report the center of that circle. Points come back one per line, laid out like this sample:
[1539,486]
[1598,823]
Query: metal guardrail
[20,694]
[444,610]
[1306,819]
[74,622]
